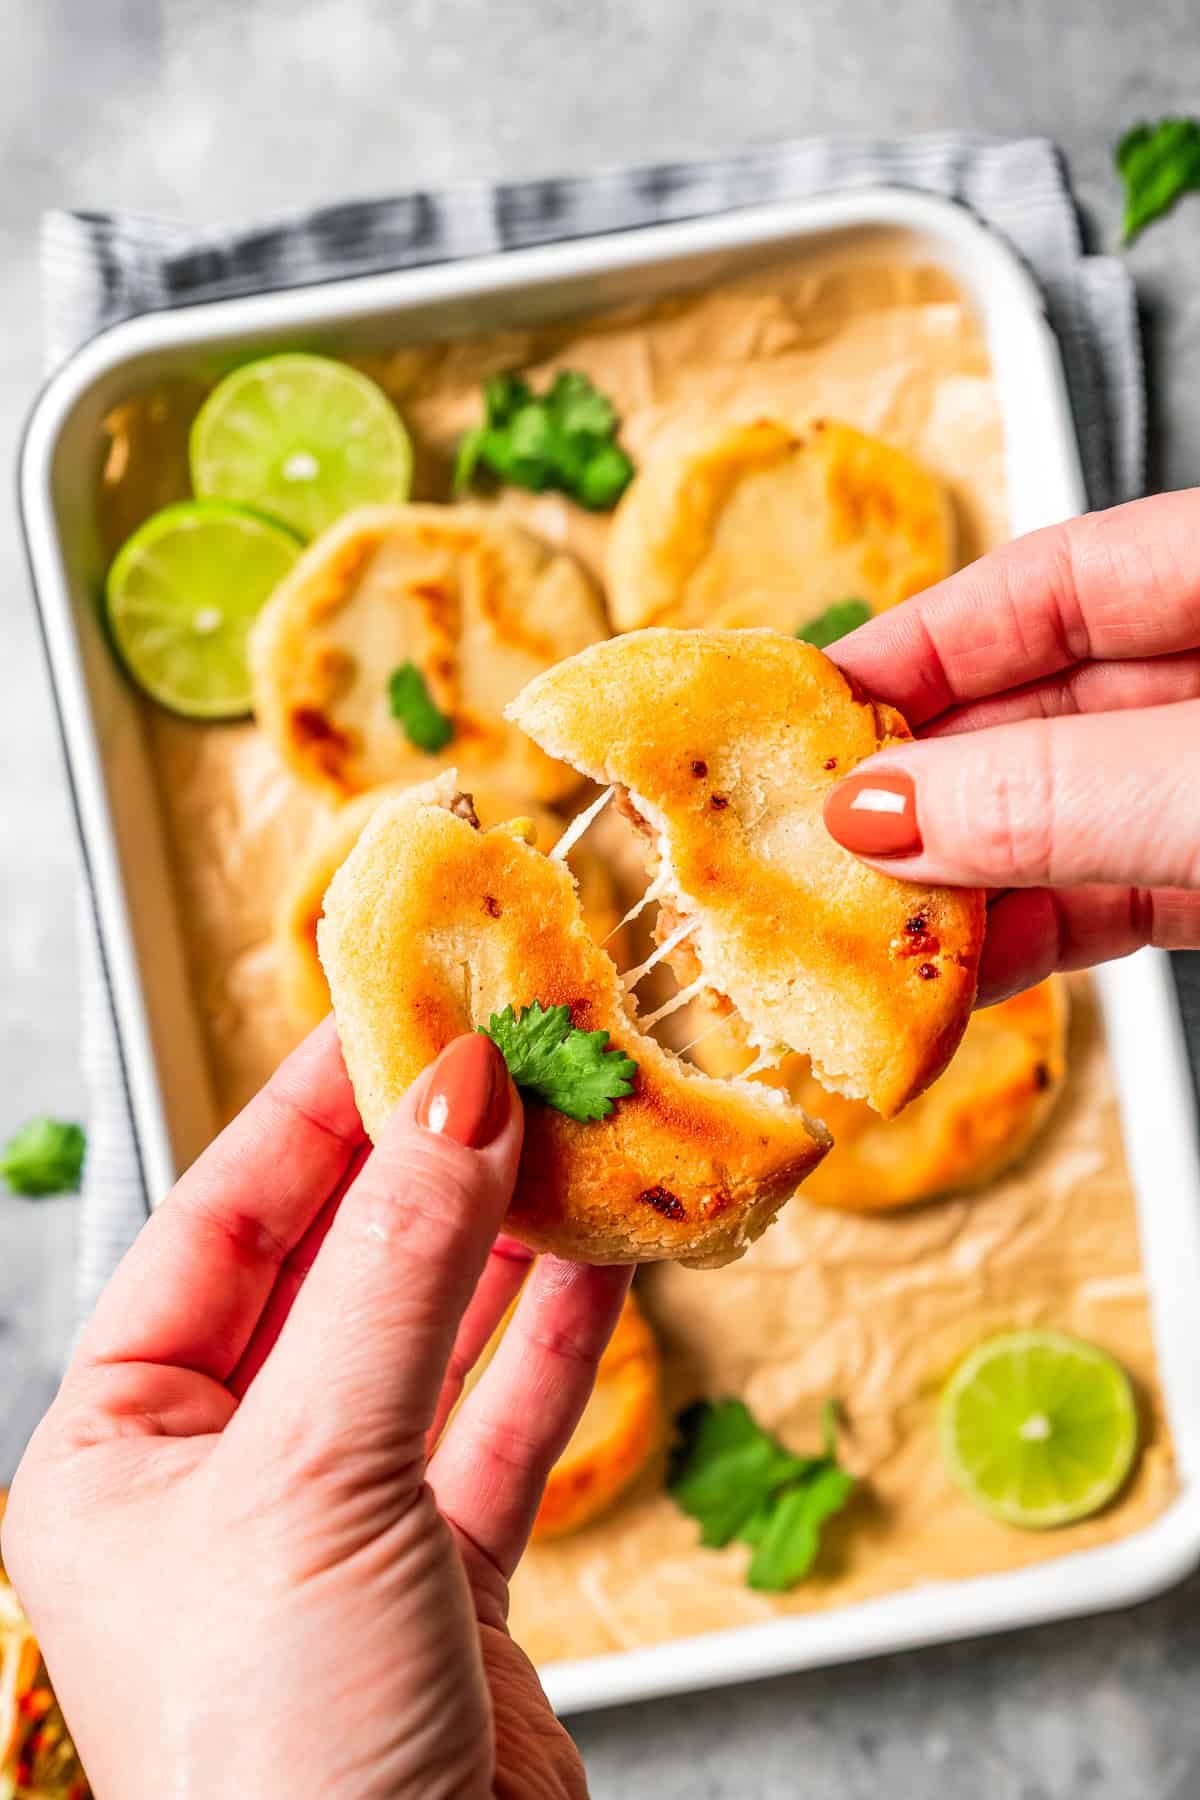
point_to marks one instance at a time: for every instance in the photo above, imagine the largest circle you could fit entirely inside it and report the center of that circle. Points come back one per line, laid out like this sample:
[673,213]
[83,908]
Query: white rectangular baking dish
[128,870]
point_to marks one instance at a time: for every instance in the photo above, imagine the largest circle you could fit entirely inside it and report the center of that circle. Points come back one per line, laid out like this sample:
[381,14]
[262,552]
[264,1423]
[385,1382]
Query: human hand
[251,1570]
[1055,687]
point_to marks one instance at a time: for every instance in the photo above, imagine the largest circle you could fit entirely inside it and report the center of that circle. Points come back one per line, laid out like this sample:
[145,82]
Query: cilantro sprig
[571,1070]
[425,724]
[1158,164]
[565,438]
[44,1157]
[837,621]
[741,1483]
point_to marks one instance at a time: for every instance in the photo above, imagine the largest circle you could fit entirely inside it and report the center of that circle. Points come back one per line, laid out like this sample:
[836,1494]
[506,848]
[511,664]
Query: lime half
[1039,1428]
[183,593]
[302,438]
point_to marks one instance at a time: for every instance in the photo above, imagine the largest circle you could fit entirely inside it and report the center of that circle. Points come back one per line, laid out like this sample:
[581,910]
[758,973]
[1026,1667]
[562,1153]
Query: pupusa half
[722,745]
[431,926]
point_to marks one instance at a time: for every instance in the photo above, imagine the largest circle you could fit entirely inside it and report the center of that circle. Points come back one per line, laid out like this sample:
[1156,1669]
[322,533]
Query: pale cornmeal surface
[875,1310]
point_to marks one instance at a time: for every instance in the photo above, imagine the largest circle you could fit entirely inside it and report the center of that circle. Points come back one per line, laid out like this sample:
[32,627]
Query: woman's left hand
[251,1570]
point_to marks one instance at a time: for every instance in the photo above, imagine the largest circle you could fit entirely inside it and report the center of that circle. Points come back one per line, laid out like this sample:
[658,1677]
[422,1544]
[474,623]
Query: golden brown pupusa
[976,1120]
[757,524]
[305,989]
[431,926]
[477,603]
[727,743]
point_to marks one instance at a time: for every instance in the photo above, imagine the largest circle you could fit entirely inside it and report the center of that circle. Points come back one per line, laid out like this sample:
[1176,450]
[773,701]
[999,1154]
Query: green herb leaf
[466,458]
[724,1469]
[604,477]
[737,1481]
[574,1071]
[835,622]
[788,1546]
[44,1157]
[425,725]
[502,396]
[1157,164]
[581,409]
[563,439]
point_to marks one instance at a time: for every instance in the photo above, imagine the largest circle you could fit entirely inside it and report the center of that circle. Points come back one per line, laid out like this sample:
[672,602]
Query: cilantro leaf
[563,439]
[44,1157]
[738,1481]
[724,1469]
[837,621]
[502,396]
[425,725]
[788,1546]
[581,408]
[574,1071]
[466,458]
[604,477]
[1158,164]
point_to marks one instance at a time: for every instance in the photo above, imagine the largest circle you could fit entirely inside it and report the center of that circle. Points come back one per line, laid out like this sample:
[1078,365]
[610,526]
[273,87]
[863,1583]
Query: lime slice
[1039,1428]
[301,438]
[183,593]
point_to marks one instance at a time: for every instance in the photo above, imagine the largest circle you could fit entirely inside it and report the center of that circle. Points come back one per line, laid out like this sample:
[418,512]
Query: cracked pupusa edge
[396,917]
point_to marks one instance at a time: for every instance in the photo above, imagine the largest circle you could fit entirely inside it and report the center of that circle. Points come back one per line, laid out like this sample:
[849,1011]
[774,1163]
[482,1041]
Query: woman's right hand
[1055,689]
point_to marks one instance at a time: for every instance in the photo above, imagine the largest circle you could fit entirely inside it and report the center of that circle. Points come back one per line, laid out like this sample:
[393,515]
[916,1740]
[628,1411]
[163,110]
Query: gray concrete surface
[211,108]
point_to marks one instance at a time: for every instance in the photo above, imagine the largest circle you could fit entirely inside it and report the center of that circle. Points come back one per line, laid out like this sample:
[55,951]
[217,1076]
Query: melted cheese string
[579,825]
[674,1003]
[709,1031]
[661,950]
[654,892]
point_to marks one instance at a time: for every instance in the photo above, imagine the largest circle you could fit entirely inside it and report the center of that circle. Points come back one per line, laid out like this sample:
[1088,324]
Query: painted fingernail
[467,1098]
[875,814]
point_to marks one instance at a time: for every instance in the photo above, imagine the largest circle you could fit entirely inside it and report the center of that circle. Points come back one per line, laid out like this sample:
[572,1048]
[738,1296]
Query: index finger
[1109,586]
[193,1286]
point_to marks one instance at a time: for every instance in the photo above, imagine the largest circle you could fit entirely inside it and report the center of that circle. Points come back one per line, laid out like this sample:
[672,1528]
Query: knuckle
[562,1346]
[1016,829]
[523,1453]
[317,1459]
[1032,597]
[1070,580]
[426,1195]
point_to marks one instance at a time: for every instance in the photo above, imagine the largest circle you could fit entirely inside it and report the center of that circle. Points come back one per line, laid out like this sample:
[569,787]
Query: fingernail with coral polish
[467,1098]
[875,814]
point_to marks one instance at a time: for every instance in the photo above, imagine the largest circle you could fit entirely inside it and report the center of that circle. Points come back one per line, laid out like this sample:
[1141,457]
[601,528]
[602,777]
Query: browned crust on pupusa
[977,1120]
[478,603]
[302,980]
[414,958]
[757,524]
[815,949]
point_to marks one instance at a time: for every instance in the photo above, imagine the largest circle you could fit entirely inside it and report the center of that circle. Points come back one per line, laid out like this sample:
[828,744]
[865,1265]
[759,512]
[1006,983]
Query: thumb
[1105,797]
[359,1363]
